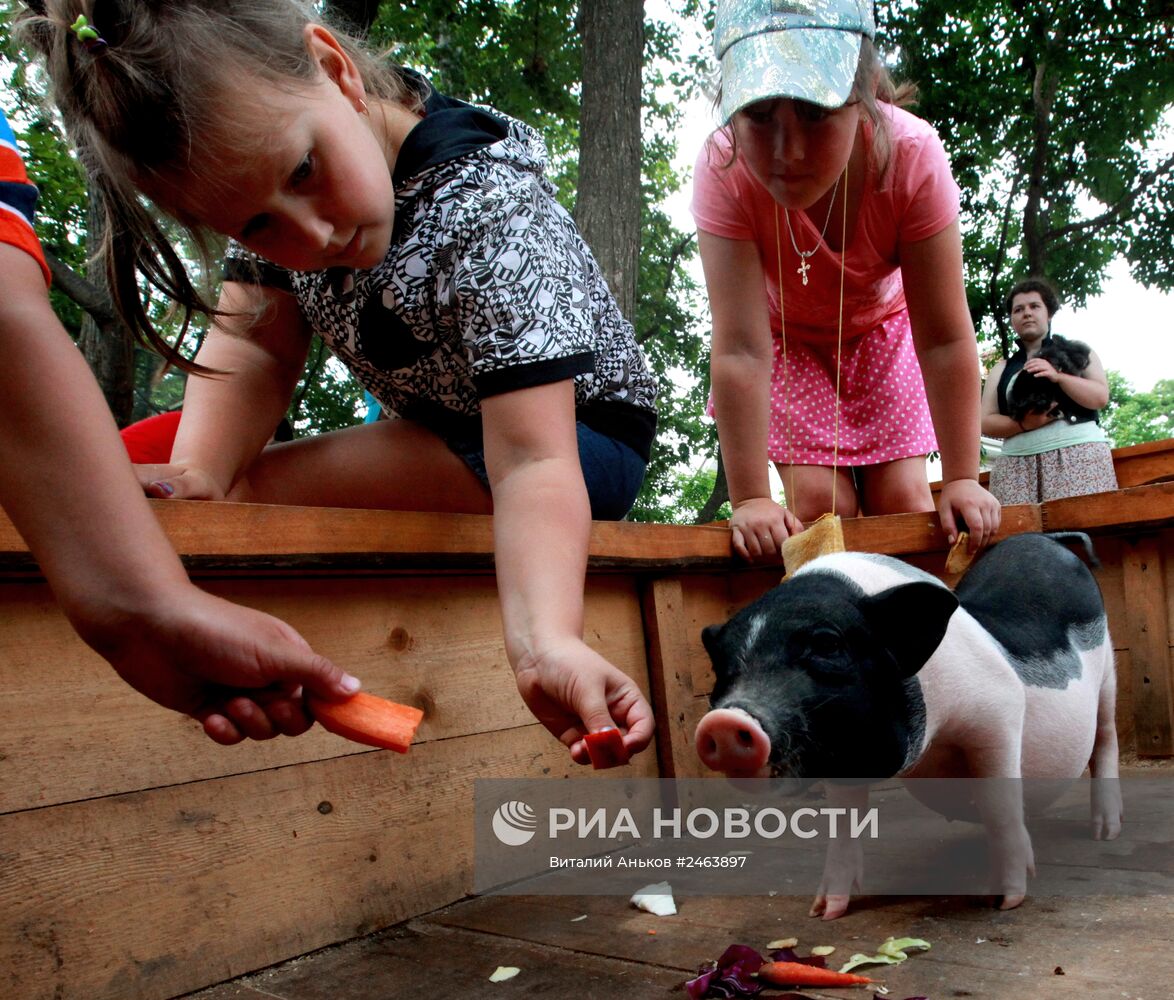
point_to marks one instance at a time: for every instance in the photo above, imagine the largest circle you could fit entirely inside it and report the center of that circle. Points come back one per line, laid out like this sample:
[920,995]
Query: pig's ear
[711,639]
[911,621]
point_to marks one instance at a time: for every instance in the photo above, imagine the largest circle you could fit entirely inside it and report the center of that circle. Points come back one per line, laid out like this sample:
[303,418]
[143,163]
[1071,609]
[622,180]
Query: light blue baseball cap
[804,49]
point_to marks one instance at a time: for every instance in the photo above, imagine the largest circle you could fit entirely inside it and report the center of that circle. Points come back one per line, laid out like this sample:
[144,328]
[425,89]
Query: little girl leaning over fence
[419,238]
[828,229]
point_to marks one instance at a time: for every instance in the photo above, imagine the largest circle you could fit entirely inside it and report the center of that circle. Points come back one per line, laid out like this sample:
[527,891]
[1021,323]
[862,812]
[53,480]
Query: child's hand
[759,526]
[178,482]
[981,512]
[572,691]
[237,670]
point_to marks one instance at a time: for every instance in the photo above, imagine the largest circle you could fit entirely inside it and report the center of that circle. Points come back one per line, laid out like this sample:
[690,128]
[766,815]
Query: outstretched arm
[541,527]
[260,348]
[740,365]
[931,270]
[67,486]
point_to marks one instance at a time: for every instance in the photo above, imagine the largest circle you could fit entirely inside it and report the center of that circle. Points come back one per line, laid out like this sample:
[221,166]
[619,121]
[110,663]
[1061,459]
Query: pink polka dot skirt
[884,415]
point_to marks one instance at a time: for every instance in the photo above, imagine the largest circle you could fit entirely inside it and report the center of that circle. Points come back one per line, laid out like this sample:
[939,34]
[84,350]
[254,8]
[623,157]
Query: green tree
[1136,417]
[1052,114]
[524,58]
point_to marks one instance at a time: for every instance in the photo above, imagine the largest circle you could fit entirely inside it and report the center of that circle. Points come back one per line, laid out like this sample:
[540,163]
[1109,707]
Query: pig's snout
[731,741]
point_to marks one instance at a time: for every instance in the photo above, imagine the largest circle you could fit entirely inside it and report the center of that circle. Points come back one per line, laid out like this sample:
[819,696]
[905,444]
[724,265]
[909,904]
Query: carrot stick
[365,718]
[798,974]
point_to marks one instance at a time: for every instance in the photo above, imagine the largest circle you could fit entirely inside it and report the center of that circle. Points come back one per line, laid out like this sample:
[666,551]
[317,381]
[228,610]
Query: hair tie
[87,35]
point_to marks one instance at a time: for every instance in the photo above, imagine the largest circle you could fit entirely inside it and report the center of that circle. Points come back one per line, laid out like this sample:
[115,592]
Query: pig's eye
[824,642]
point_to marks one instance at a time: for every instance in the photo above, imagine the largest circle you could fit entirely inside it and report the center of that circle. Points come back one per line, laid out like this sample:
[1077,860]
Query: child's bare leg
[809,491]
[391,464]
[898,487]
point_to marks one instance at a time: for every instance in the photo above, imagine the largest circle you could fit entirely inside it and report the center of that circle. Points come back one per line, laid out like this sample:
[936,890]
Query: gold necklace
[804,267]
[839,337]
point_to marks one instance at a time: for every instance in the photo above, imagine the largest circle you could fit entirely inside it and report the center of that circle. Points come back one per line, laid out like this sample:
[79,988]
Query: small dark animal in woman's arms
[1031,394]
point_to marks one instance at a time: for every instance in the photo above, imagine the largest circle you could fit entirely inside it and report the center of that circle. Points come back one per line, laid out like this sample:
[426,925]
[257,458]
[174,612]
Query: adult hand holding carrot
[237,670]
[67,486]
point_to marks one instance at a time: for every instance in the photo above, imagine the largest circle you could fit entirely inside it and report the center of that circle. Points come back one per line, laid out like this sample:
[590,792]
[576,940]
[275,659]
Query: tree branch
[78,289]
[994,300]
[1088,227]
[677,252]
[675,255]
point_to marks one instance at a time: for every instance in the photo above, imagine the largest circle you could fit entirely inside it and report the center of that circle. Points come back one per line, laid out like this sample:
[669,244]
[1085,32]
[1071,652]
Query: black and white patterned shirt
[487,287]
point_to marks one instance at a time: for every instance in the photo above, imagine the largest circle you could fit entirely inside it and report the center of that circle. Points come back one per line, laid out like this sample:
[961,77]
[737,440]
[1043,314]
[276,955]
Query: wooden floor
[1093,947]
[597,947]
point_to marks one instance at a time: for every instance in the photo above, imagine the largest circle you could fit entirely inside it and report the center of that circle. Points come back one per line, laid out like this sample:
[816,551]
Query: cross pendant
[802,270]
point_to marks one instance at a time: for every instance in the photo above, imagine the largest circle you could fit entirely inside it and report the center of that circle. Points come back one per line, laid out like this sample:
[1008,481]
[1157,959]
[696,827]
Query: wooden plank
[897,534]
[1126,734]
[230,537]
[213,536]
[71,729]
[711,600]
[430,960]
[976,951]
[1140,508]
[1110,578]
[1049,948]
[156,893]
[1152,683]
[1140,464]
[668,667]
[1166,544]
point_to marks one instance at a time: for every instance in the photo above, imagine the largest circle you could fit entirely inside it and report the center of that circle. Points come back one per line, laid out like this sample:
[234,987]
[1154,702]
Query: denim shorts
[612,471]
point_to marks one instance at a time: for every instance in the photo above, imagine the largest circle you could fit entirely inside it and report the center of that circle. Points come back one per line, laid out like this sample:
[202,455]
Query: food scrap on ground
[892,952]
[802,974]
[656,898]
[743,972]
[504,972]
[732,975]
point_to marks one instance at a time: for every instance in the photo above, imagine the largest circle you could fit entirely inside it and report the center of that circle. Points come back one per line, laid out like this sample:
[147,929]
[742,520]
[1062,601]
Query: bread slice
[958,560]
[824,536]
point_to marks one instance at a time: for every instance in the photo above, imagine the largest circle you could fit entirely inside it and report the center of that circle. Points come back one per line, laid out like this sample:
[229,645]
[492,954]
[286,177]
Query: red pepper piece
[606,748]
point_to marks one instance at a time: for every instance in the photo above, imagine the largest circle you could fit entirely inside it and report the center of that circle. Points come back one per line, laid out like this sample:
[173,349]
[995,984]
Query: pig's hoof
[829,907]
[1106,826]
[1009,902]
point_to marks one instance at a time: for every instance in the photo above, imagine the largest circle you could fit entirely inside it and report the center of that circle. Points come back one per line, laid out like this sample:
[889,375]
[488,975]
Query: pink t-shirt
[916,199]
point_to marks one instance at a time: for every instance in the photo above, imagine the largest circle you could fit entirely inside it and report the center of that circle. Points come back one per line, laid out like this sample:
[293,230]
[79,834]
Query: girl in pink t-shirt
[828,229]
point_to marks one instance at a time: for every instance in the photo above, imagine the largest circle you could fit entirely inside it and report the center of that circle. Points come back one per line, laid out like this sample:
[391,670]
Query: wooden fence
[139,860]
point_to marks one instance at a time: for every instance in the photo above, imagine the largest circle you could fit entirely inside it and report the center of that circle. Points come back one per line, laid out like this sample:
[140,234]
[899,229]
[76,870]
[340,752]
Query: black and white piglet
[861,666]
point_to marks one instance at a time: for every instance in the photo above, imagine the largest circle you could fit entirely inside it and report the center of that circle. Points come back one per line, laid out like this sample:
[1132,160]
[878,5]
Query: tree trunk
[608,206]
[1043,94]
[720,494]
[105,342]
